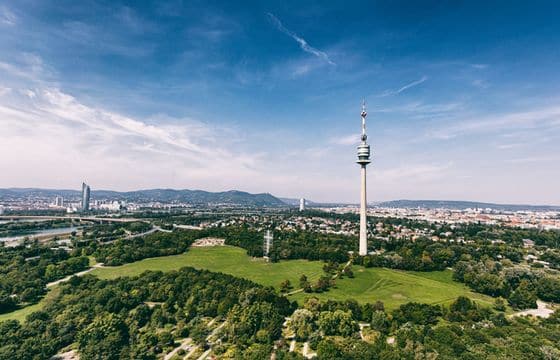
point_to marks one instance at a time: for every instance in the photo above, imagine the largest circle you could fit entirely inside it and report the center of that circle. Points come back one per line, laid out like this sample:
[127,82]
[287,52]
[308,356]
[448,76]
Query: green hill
[393,287]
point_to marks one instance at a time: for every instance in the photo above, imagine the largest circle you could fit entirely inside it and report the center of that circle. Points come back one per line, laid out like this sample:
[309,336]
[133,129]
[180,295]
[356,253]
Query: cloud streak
[546,118]
[405,87]
[303,44]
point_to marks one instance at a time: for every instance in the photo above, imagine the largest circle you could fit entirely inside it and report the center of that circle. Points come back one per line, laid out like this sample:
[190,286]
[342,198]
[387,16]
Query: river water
[54,231]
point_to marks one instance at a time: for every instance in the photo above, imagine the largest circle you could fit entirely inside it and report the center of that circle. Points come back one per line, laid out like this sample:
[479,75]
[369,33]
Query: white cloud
[544,117]
[351,139]
[534,159]
[508,146]
[301,41]
[4,90]
[414,172]
[55,137]
[7,17]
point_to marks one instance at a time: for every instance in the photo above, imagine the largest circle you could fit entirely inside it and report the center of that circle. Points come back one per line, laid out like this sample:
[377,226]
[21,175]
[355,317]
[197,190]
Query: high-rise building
[302,204]
[363,161]
[59,201]
[85,196]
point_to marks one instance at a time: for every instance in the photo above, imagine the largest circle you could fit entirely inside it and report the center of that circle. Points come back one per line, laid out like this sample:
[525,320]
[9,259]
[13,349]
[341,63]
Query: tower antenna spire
[364,114]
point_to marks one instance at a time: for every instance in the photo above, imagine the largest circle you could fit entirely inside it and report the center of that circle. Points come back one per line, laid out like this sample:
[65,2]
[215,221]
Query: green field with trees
[226,259]
[396,287]
[392,287]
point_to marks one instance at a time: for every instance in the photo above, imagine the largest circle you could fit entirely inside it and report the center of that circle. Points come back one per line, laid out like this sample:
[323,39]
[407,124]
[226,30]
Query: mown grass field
[393,287]
[226,259]
[396,287]
[22,313]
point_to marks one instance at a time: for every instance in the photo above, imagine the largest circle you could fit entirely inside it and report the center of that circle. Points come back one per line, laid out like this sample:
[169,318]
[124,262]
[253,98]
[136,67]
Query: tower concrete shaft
[363,161]
[363,214]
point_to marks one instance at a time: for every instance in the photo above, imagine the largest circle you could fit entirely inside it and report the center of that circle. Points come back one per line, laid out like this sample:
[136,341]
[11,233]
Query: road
[132,236]
[79,218]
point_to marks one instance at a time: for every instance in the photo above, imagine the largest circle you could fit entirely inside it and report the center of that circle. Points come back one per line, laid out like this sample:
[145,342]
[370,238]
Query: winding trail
[54,283]
[182,345]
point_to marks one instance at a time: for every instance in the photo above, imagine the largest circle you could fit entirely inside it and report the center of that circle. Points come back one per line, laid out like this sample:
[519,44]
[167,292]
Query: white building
[302,204]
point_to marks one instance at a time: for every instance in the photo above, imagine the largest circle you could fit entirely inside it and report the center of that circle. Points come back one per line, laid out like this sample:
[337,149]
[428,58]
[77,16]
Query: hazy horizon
[266,98]
[293,197]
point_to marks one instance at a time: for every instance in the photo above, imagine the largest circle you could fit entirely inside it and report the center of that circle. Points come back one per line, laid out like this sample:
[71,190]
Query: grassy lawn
[393,287]
[226,259]
[396,287]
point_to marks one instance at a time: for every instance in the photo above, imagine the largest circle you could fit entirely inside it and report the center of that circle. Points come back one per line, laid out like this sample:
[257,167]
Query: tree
[302,324]
[285,286]
[304,284]
[257,352]
[337,322]
[499,305]
[523,297]
[548,289]
[7,302]
[327,350]
[303,281]
[322,284]
[103,339]
[417,313]
[380,321]
[245,322]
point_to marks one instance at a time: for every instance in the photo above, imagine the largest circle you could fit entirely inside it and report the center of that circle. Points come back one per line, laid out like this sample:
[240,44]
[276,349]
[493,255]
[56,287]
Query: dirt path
[182,345]
[362,326]
[543,310]
[96,266]
[293,346]
[306,353]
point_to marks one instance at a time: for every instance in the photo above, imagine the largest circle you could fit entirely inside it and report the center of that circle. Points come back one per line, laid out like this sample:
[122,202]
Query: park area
[393,287]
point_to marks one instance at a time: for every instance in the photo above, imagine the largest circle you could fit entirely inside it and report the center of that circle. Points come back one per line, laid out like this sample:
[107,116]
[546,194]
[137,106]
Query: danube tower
[363,160]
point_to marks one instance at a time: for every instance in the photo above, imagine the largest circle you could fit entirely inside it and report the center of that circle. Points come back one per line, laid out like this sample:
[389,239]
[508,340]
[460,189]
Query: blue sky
[463,97]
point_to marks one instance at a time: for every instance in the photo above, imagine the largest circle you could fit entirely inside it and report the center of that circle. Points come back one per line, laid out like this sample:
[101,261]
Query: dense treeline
[464,330]
[290,244]
[24,272]
[112,319]
[123,251]
[520,286]
[427,255]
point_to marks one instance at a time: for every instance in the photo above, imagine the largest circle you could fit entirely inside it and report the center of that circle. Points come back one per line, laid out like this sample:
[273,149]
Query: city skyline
[265,98]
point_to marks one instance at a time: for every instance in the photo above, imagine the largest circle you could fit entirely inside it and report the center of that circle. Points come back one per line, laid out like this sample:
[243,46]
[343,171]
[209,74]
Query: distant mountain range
[241,198]
[232,197]
[460,205]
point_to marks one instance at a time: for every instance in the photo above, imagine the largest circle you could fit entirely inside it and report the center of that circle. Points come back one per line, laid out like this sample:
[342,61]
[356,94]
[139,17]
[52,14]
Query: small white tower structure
[363,161]
[302,204]
[267,245]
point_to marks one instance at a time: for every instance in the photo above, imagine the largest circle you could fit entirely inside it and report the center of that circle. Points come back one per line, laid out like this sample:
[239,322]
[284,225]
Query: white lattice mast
[363,161]
[267,245]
